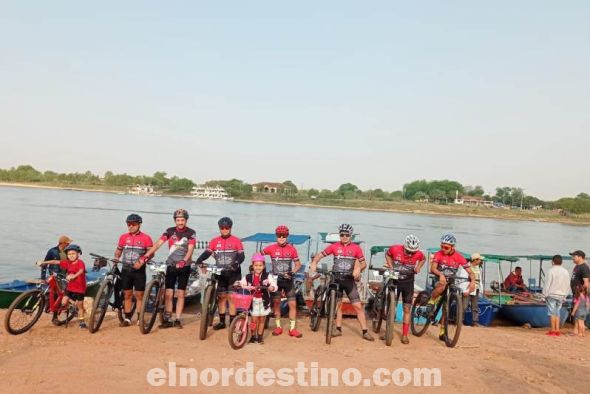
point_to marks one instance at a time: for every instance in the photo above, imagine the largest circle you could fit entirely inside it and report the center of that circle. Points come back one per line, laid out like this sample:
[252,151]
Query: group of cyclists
[136,248]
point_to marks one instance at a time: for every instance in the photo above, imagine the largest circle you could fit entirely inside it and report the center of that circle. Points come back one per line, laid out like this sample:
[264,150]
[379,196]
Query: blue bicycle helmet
[73,247]
[448,239]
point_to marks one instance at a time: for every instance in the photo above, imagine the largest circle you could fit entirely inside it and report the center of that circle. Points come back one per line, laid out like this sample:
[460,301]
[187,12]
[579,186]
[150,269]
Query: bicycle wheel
[331,315]
[100,305]
[420,319]
[315,314]
[238,332]
[24,312]
[377,318]
[391,310]
[120,311]
[149,307]
[205,312]
[453,319]
[64,315]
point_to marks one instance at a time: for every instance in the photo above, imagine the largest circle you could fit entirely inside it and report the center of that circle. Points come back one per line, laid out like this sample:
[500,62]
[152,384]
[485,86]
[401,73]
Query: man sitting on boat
[514,282]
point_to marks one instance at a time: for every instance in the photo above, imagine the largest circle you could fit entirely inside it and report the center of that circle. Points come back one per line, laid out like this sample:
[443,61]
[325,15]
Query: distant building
[212,193]
[141,189]
[474,201]
[268,187]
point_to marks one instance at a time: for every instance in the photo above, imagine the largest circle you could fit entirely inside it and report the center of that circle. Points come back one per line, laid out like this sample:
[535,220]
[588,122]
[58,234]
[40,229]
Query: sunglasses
[446,247]
[225,228]
[345,235]
[282,235]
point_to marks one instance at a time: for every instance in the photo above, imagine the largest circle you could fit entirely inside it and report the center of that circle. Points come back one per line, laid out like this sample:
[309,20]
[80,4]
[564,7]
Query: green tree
[313,192]
[181,185]
[290,187]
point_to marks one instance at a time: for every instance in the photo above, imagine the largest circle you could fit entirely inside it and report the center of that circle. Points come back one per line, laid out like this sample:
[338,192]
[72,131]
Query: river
[33,219]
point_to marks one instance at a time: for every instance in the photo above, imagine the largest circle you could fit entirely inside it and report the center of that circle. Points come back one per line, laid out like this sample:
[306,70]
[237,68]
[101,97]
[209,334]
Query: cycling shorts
[349,287]
[406,290]
[177,276]
[74,296]
[133,279]
[226,280]
[285,286]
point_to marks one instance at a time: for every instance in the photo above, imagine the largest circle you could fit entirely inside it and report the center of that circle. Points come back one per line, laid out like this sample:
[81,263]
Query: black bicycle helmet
[134,218]
[225,222]
[73,247]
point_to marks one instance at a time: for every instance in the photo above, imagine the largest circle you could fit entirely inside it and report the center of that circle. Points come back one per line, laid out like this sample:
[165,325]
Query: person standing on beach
[445,263]
[228,252]
[555,290]
[473,297]
[349,262]
[284,263]
[181,241]
[407,260]
[55,253]
[131,249]
[581,272]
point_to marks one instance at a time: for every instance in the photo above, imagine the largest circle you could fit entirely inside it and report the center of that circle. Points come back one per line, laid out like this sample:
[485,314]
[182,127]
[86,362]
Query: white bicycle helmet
[411,243]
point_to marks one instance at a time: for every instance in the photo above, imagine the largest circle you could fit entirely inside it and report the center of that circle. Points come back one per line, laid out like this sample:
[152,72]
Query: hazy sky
[377,93]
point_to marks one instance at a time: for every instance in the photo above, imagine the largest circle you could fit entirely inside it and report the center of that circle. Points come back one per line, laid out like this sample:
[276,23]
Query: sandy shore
[500,359]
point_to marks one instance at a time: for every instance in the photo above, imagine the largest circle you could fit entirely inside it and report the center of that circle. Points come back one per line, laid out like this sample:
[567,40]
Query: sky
[376,93]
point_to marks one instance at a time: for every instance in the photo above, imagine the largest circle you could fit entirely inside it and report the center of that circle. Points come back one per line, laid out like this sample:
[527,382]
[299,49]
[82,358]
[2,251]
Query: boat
[526,308]
[210,193]
[10,290]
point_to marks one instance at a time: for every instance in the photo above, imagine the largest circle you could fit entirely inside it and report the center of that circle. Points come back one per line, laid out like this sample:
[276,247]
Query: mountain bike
[209,304]
[26,309]
[450,302]
[241,326]
[327,297]
[153,304]
[385,303]
[110,293]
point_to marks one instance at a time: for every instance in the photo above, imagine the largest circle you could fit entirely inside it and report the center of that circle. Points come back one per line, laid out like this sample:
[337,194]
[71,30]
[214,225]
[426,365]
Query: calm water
[33,219]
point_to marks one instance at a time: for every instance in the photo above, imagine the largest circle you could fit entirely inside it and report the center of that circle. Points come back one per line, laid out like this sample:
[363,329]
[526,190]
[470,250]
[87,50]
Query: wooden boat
[10,290]
[527,307]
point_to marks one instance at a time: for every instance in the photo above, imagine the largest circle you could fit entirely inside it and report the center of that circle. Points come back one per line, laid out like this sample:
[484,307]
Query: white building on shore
[212,193]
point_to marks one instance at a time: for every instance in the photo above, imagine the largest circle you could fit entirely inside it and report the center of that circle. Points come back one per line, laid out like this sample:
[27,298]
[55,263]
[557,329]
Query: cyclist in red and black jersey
[131,247]
[228,252]
[348,257]
[446,262]
[284,262]
[407,260]
[181,241]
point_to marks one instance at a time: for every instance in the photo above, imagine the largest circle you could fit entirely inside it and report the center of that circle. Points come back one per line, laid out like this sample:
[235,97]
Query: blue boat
[533,314]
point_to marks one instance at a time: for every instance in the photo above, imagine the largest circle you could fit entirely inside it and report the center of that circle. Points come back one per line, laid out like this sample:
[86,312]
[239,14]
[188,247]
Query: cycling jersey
[344,256]
[178,242]
[448,264]
[403,262]
[77,285]
[132,247]
[225,251]
[282,257]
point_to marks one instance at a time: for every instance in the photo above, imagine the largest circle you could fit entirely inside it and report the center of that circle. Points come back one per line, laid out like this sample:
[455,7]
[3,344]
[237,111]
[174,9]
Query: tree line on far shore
[436,191]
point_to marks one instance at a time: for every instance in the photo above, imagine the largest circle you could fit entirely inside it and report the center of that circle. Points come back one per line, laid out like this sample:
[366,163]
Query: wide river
[33,219]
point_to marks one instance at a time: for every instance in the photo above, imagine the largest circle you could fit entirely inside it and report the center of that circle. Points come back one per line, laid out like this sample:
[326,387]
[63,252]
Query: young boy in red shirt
[76,276]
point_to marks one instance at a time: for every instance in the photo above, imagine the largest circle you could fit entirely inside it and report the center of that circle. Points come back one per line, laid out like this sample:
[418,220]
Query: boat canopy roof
[542,257]
[295,239]
[498,258]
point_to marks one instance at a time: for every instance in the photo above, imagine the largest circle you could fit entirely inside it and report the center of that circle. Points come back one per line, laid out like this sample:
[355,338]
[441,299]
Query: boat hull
[535,315]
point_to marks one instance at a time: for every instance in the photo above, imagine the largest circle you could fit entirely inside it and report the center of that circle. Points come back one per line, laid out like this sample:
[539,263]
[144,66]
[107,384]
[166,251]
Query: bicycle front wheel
[150,307]
[453,319]
[391,310]
[205,315]
[238,332]
[100,305]
[331,315]
[24,312]
[377,318]
[420,316]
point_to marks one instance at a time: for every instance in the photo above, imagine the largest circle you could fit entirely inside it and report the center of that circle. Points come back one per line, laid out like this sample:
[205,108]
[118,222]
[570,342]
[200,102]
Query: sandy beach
[499,359]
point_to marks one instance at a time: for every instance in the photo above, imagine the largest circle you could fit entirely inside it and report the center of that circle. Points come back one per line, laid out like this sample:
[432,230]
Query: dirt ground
[53,359]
